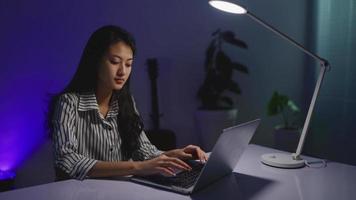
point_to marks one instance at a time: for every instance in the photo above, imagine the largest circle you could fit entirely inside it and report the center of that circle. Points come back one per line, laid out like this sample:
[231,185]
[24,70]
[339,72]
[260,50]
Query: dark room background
[41,42]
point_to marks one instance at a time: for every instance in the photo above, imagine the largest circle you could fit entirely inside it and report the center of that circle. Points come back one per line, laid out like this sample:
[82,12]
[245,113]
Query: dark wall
[41,43]
[333,132]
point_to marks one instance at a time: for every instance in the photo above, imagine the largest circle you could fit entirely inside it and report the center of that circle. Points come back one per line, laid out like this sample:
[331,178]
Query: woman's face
[115,67]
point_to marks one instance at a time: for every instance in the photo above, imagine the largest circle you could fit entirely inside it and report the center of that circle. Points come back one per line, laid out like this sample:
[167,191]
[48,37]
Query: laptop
[222,160]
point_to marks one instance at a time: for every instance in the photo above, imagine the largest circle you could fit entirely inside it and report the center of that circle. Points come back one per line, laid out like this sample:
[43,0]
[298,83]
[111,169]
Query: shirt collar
[114,107]
[87,102]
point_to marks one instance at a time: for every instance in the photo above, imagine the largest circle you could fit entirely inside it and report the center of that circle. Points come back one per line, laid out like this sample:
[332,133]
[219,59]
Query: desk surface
[250,180]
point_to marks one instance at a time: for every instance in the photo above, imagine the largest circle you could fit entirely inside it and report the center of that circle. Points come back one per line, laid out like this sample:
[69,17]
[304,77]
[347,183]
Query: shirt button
[110,128]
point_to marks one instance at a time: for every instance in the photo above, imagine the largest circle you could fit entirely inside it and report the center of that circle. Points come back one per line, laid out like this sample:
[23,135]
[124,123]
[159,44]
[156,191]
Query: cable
[316,163]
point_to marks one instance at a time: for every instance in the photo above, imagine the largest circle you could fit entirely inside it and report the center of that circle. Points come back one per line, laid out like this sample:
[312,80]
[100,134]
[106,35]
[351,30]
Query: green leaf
[277,104]
[272,108]
[281,104]
[293,106]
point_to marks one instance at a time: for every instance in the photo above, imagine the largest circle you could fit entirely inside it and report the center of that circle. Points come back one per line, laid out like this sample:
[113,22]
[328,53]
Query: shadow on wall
[38,169]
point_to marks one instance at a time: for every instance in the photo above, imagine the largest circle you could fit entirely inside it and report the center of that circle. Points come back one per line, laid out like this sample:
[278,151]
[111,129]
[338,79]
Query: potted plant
[217,110]
[287,133]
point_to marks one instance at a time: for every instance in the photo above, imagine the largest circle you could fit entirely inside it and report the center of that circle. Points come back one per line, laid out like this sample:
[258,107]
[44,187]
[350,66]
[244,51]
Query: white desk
[251,180]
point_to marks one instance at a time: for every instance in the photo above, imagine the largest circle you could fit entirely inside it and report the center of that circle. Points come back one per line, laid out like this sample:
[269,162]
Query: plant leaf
[276,104]
[239,67]
[216,32]
[222,59]
[234,87]
[209,55]
[229,37]
[227,100]
[294,108]
[223,65]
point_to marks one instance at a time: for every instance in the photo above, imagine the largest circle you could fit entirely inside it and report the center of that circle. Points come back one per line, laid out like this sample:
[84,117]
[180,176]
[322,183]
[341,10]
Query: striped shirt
[82,136]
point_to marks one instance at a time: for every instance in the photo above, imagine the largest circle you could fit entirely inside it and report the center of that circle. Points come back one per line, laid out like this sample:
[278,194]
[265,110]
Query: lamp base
[281,160]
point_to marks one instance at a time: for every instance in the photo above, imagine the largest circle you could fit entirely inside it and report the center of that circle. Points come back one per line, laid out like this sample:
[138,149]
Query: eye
[114,62]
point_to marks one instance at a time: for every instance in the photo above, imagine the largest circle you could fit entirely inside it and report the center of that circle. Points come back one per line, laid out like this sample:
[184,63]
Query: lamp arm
[310,112]
[286,37]
[324,64]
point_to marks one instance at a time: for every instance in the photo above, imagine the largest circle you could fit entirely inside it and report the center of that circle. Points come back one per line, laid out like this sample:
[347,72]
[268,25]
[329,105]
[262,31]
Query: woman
[96,129]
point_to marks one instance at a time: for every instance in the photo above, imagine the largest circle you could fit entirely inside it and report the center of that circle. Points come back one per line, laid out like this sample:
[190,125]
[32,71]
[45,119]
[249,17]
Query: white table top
[251,180]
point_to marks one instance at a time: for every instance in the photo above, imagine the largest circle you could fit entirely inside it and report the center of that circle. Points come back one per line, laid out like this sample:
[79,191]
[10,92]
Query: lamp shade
[227,7]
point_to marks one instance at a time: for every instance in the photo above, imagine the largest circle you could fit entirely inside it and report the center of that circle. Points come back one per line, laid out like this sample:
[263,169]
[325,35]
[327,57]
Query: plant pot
[286,139]
[210,124]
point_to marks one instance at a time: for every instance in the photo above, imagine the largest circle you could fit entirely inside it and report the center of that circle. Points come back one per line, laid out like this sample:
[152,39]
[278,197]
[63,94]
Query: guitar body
[163,139]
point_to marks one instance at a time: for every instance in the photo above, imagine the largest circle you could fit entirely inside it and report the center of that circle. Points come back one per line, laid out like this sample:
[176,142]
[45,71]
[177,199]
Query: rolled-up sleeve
[65,140]
[146,150]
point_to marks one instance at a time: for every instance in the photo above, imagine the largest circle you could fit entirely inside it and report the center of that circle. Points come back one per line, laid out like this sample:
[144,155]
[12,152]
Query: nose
[121,70]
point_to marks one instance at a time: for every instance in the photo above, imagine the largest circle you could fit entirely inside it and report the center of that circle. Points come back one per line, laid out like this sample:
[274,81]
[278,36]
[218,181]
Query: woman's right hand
[162,164]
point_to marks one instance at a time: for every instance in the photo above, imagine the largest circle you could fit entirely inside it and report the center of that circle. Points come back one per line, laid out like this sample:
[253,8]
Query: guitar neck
[154,105]
[153,74]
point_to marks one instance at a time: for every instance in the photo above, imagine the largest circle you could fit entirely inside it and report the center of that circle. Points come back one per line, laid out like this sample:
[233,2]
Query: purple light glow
[38,55]
[16,144]
[6,175]
[22,120]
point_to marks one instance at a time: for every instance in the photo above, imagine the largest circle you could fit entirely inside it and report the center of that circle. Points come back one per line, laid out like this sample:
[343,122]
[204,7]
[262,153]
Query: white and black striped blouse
[82,136]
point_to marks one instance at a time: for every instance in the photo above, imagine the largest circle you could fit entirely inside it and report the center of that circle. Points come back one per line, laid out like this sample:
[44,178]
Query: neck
[103,96]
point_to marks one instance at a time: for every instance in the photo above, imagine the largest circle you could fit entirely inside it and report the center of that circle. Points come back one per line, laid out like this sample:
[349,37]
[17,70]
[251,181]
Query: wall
[274,63]
[333,129]
[41,43]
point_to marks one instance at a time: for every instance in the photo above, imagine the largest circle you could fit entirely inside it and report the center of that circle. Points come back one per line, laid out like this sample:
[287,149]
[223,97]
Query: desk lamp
[282,160]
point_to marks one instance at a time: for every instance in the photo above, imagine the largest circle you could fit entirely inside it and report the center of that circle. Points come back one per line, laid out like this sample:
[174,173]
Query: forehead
[121,49]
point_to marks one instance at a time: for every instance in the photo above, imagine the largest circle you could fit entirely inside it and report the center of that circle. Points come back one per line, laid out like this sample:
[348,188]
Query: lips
[119,80]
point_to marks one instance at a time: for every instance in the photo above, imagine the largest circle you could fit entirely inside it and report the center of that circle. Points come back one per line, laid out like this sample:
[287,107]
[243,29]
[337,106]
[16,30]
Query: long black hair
[85,80]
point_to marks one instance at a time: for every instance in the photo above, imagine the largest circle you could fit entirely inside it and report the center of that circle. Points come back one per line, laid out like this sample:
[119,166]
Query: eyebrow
[121,57]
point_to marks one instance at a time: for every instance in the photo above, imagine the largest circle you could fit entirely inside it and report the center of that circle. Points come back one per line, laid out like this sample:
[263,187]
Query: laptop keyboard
[184,179]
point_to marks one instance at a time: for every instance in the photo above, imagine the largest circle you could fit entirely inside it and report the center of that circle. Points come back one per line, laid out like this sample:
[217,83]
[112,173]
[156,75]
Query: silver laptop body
[222,160]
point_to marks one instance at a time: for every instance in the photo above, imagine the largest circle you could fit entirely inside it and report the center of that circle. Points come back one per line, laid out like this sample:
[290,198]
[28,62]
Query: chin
[118,87]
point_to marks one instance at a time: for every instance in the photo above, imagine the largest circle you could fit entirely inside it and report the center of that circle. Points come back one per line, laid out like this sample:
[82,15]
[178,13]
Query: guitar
[163,139]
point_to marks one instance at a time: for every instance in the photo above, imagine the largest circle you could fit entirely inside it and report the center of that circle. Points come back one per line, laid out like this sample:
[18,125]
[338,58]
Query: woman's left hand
[190,152]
